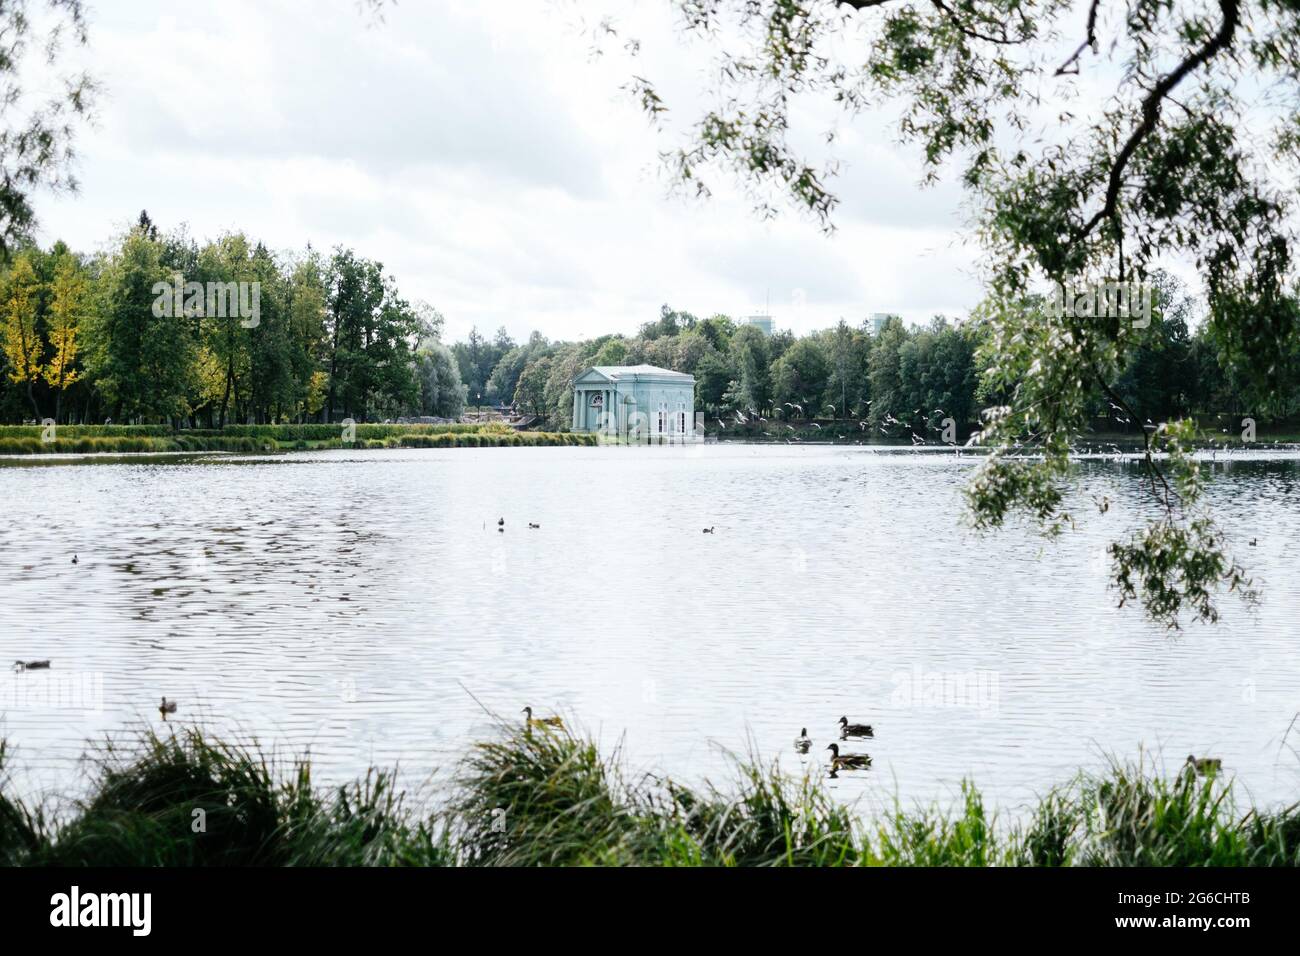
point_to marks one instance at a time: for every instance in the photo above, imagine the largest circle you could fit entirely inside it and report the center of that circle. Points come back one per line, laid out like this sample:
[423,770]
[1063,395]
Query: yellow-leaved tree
[67,306]
[317,388]
[22,342]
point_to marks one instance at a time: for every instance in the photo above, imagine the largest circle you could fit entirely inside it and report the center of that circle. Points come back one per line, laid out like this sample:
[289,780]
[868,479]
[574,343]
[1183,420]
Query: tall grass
[548,798]
[185,800]
[542,798]
[22,830]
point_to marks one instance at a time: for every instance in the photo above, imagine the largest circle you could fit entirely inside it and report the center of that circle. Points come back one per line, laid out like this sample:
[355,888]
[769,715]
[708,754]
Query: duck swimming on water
[803,743]
[167,707]
[1204,766]
[854,730]
[531,721]
[847,761]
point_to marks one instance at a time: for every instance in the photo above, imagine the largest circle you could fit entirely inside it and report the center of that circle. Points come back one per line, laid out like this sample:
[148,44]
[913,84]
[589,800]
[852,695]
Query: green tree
[670,323]
[305,291]
[142,363]
[36,139]
[884,373]
[800,376]
[846,350]
[712,377]
[613,352]
[442,394]
[371,334]
[501,383]
[477,358]
[750,358]
[530,393]
[1157,371]
[505,375]
[566,362]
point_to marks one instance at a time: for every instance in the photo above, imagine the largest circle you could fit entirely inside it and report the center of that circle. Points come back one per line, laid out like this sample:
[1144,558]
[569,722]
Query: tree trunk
[225,395]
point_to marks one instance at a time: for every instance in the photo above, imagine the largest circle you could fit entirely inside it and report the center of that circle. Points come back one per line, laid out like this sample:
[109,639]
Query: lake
[361,606]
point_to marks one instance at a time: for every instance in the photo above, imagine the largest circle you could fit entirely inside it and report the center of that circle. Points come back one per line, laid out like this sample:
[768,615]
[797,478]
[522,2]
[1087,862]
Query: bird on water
[854,730]
[531,721]
[847,761]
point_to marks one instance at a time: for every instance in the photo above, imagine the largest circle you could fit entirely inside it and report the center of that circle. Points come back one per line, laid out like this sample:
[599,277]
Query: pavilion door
[595,410]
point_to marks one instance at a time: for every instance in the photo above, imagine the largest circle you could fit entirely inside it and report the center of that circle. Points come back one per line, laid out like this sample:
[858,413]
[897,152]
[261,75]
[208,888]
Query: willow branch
[1090,42]
[1152,103]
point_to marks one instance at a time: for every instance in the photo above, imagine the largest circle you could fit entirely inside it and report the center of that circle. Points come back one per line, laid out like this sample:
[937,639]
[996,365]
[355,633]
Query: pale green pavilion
[642,401]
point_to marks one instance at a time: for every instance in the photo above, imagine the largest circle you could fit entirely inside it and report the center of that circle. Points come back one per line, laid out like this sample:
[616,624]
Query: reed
[550,798]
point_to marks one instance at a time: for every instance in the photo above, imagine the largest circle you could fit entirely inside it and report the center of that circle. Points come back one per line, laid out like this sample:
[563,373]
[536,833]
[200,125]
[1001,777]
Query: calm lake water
[349,604]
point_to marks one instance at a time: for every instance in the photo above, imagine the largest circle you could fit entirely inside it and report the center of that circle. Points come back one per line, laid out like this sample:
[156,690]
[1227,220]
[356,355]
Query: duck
[74,559]
[501,522]
[533,526]
[1204,766]
[803,743]
[531,721]
[31,665]
[847,761]
[167,707]
[709,530]
[854,730]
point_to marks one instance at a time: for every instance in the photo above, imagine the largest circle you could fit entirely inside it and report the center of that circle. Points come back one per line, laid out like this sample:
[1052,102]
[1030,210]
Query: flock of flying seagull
[1110,452]
[889,420]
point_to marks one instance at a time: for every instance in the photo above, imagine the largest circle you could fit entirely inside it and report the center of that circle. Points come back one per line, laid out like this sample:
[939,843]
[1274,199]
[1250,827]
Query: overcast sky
[488,159]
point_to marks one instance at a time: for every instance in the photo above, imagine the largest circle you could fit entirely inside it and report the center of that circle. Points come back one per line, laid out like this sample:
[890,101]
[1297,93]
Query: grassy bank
[121,439]
[546,798]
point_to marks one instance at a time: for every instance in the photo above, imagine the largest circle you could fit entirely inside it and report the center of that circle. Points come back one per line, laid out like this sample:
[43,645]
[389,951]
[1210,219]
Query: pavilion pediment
[593,376]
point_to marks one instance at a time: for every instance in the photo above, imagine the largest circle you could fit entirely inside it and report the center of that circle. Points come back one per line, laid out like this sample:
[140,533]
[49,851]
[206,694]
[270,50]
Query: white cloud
[487,159]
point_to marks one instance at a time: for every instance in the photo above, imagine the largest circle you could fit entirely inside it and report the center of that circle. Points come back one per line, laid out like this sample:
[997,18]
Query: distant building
[634,400]
[761,322]
[877,321]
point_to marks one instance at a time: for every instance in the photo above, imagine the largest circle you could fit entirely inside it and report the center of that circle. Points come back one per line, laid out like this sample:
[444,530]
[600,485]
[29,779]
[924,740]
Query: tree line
[83,342]
[84,339]
[897,380]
